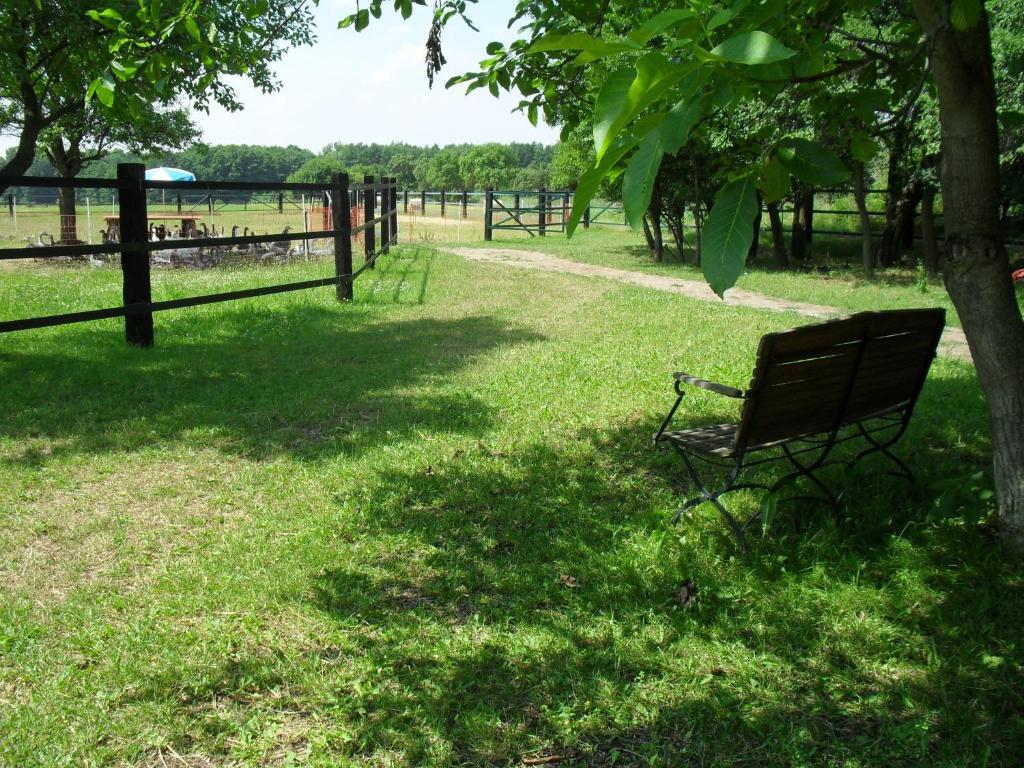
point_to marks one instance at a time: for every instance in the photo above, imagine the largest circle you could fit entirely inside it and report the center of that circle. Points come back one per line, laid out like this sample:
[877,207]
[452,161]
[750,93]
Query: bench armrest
[721,389]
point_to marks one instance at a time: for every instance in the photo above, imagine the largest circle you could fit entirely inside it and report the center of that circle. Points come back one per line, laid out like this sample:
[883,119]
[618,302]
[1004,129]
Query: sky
[371,86]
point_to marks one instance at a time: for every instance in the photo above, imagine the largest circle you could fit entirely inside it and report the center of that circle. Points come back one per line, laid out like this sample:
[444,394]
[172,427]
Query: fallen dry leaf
[568,581]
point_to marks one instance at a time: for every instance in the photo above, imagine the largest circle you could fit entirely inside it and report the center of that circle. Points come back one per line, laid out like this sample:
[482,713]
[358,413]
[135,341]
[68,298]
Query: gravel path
[953,343]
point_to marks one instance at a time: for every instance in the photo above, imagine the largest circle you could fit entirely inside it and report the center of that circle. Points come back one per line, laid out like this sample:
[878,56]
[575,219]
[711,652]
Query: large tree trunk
[888,247]
[68,163]
[976,265]
[778,236]
[930,242]
[22,158]
[860,196]
[907,213]
[68,215]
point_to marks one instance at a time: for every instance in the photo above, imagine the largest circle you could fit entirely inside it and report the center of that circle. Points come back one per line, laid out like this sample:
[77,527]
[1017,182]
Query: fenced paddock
[137,240]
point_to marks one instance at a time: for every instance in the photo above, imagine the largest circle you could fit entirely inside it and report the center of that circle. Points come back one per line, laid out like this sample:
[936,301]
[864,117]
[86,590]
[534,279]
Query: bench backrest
[820,377]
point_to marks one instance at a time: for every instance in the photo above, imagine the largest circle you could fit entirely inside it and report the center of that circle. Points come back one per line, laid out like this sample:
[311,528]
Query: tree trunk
[976,264]
[22,158]
[907,213]
[659,241]
[798,237]
[808,214]
[778,236]
[68,215]
[860,196]
[888,251]
[755,243]
[698,229]
[648,235]
[931,246]
[68,163]
[676,225]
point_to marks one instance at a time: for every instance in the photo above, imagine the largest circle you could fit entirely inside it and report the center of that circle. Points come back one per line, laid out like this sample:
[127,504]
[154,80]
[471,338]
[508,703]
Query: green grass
[298,532]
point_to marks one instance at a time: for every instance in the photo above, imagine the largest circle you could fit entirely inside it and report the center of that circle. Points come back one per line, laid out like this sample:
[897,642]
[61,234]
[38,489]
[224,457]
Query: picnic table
[188,223]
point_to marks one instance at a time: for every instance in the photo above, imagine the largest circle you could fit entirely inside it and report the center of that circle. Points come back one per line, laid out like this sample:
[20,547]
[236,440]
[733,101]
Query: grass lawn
[844,286]
[303,533]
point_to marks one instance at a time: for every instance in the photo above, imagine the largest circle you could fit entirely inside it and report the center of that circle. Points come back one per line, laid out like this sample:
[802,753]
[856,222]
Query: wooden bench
[814,387]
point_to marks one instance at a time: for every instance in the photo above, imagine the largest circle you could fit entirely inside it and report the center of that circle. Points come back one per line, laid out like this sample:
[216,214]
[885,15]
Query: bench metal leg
[883,447]
[714,497]
[807,471]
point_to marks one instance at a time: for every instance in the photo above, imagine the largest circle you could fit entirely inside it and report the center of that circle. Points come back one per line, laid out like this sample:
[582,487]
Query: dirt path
[953,343]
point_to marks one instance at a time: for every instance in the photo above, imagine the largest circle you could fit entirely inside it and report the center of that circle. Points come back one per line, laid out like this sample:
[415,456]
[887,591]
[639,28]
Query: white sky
[371,86]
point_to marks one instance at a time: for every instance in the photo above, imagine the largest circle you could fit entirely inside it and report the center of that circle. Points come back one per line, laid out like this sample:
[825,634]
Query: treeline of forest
[455,167]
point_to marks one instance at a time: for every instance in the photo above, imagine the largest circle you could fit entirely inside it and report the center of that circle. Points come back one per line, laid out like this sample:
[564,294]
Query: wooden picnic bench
[813,388]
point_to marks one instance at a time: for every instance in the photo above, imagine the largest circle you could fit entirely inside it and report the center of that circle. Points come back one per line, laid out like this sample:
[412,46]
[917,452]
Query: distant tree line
[451,168]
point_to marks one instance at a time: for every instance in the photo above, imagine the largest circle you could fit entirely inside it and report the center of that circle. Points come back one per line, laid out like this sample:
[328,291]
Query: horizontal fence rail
[347,210]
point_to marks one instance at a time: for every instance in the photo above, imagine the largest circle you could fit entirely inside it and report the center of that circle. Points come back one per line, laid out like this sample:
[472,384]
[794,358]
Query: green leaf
[810,162]
[362,19]
[728,233]
[638,181]
[619,101]
[121,71]
[752,48]
[863,148]
[720,19]
[531,113]
[103,88]
[581,41]
[658,24]
[679,122]
[193,29]
[611,101]
[494,48]
[964,13]
[774,181]
[590,180]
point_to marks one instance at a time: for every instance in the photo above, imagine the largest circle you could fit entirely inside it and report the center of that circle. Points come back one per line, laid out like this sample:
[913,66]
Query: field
[428,528]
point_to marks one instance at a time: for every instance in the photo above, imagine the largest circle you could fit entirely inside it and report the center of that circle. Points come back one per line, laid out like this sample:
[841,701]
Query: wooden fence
[135,246]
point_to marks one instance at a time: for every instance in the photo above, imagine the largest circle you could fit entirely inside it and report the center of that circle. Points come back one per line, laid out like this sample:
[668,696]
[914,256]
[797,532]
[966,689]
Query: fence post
[179,203]
[465,204]
[394,209]
[442,204]
[405,201]
[370,233]
[566,210]
[542,215]
[385,215]
[586,217]
[280,202]
[423,203]
[138,328]
[10,203]
[488,213]
[209,203]
[341,214]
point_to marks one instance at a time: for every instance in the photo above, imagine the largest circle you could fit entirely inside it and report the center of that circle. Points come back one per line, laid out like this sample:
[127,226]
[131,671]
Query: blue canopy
[169,174]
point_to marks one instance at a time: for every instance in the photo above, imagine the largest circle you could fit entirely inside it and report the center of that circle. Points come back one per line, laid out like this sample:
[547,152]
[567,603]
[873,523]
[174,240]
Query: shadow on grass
[302,379]
[859,638]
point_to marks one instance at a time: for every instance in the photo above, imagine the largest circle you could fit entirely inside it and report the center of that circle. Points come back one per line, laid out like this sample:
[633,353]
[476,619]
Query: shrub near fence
[135,246]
